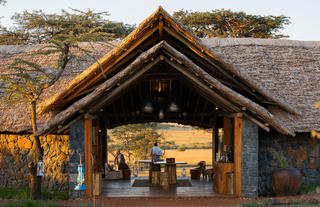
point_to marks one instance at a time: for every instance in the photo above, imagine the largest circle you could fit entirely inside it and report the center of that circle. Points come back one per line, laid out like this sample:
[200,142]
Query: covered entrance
[162,73]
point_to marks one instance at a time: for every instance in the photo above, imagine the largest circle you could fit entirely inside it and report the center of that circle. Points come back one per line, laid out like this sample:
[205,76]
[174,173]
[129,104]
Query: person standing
[119,159]
[156,152]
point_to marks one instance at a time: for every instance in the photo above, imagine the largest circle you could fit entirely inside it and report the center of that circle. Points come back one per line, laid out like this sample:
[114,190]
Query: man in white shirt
[156,152]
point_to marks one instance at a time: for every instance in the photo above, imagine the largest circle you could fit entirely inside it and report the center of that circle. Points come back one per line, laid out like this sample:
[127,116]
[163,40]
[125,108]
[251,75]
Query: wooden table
[170,168]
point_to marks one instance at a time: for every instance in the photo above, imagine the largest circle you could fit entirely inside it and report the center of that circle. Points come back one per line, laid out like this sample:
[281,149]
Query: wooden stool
[155,177]
[164,179]
[153,167]
[171,169]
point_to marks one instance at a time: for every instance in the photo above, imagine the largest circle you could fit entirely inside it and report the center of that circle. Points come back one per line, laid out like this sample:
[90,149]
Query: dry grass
[191,156]
[187,136]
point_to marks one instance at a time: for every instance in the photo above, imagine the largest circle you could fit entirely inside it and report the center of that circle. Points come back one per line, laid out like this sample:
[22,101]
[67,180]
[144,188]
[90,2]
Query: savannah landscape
[192,145]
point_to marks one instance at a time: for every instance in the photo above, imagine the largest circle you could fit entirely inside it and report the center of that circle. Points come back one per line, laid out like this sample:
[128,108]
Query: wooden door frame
[87,156]
[237,165]
[238,154]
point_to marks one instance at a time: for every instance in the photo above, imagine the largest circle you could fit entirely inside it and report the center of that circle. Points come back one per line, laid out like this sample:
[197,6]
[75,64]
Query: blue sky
[304,15]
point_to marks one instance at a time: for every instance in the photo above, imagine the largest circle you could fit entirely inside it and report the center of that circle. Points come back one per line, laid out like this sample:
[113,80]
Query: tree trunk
[35,181]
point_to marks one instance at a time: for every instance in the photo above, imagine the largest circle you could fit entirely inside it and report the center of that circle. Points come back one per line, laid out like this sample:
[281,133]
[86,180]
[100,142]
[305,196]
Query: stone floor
[122,188]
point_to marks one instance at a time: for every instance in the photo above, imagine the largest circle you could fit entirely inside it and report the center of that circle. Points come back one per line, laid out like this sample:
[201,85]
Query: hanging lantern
[40,168]
[148,108]
[161,114]
[80,180]
[173,107]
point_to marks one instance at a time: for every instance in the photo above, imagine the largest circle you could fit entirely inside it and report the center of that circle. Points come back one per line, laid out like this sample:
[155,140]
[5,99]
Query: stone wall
[301,151]
[16,151]
[76,146]
[249,159]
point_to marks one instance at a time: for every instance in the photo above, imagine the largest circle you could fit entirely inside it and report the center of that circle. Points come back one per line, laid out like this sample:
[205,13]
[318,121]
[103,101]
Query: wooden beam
[227,132]
[213,141]
[202,86]
[117,91]
[90,116]
[65,127]
[103,146]
[238,154]
[160,28]
[88,156]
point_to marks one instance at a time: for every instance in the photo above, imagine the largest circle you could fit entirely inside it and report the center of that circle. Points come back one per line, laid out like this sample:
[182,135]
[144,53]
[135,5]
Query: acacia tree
[135,140]
[37,27]
[226,23]
[26,80]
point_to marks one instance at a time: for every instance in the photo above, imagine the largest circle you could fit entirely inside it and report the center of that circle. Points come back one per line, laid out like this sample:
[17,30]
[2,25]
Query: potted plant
[285,180]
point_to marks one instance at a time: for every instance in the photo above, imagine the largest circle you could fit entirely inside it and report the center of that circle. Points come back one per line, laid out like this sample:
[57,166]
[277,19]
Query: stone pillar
[250,149]
[76,145]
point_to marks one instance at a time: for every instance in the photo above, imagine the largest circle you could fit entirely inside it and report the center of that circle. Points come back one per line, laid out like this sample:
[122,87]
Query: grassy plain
[187,136]
[191,156]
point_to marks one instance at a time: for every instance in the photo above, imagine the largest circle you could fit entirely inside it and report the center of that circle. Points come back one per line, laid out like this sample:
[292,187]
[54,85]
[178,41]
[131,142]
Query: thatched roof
[284,73]
[288,69]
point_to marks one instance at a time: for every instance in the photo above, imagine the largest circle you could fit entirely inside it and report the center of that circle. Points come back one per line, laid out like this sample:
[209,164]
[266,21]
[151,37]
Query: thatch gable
[148,32]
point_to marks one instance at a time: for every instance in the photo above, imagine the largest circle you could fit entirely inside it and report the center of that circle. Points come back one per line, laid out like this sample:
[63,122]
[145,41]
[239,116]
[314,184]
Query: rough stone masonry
[15,153]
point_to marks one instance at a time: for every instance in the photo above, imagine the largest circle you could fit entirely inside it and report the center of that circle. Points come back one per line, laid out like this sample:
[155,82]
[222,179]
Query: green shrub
[306,189]
[23,193]
[12,193]
[29,203]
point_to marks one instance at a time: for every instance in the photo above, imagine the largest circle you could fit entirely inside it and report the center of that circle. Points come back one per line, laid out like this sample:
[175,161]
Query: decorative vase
[286,181]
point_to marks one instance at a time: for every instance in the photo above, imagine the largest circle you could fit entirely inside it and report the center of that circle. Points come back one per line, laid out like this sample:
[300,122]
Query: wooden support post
[227,132]
[102,143]
[87,154]
[238,154]
[213,142]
